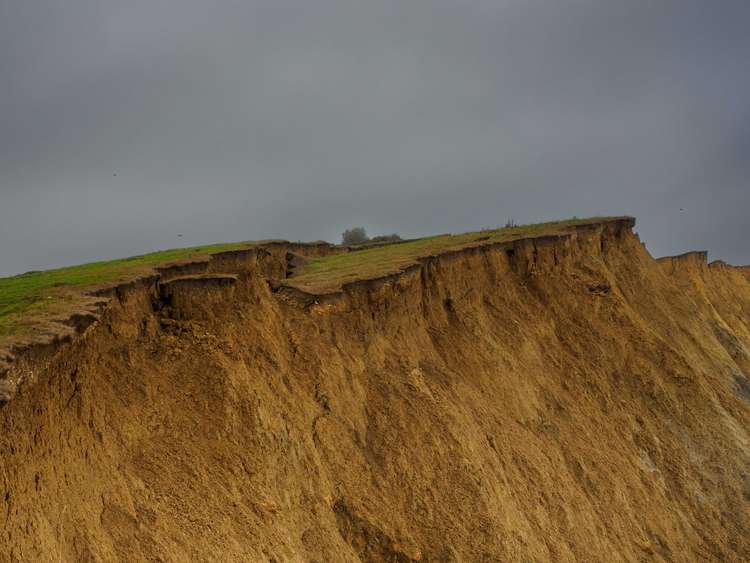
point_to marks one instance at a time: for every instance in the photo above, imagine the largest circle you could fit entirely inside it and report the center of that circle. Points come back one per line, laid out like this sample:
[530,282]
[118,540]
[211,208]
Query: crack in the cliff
[369,541]
[322,399]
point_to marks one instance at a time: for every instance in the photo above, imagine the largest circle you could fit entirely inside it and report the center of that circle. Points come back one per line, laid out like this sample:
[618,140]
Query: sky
[124,124]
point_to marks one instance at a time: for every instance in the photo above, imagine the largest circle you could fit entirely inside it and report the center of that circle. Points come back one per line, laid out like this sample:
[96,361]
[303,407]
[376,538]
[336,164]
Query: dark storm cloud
[123,124]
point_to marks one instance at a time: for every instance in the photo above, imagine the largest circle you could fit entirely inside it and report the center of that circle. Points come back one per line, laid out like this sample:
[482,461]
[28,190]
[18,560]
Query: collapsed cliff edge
[551,398]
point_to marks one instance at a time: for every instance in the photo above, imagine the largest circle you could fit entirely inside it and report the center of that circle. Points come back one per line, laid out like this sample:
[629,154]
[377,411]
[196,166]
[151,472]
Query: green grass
[34,293]
[330,272]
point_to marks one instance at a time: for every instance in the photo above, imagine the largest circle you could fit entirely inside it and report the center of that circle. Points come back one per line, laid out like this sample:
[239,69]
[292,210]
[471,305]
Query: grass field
[35,293]
[330,272]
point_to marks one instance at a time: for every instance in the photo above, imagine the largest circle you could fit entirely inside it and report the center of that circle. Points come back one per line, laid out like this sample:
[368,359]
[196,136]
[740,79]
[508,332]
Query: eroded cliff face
[559,399]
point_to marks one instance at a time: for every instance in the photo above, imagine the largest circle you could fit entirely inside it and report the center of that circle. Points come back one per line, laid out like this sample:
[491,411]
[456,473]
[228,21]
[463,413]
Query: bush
[357,235]
[386,238]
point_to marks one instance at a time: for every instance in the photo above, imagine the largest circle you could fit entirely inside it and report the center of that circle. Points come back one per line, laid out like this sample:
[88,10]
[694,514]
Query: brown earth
[558,399]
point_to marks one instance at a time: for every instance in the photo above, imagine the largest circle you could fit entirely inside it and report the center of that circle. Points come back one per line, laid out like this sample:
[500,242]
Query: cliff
[551,398]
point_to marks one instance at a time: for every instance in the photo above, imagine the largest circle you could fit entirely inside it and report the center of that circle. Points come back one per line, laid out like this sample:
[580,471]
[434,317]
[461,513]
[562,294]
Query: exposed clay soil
[564,399]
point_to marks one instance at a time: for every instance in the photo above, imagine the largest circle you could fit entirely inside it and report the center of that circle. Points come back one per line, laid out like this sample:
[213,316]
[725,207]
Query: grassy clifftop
[29,299]
[32,295]
[329,273]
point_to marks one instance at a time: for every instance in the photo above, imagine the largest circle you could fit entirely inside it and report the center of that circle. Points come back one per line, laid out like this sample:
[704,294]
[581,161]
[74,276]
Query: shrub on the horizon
[356,235]
[393,237]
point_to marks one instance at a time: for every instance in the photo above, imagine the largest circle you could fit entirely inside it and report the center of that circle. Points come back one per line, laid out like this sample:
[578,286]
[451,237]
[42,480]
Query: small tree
[356,235]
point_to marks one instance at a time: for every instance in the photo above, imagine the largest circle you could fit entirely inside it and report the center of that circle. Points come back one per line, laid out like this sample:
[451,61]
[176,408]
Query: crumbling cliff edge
[563,398]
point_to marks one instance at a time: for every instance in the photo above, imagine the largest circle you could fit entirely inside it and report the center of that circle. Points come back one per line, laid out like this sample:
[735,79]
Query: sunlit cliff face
[551,400]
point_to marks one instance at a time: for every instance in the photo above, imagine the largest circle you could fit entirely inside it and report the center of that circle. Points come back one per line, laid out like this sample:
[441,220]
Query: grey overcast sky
[126,123]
